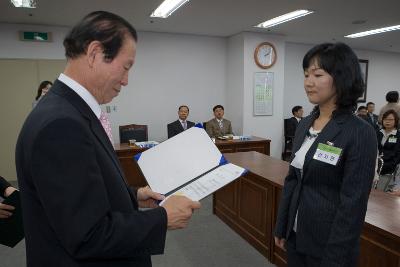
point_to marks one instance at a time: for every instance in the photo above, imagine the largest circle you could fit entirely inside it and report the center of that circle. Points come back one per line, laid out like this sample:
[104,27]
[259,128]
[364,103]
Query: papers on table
[234,137]
[241,137]
[189,164]
[147,144]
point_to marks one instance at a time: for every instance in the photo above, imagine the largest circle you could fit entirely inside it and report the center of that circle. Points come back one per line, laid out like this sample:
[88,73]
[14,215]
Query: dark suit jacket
[373,121]
[175,127]
[390,151]
[331,201]
[291,126]
[77,207]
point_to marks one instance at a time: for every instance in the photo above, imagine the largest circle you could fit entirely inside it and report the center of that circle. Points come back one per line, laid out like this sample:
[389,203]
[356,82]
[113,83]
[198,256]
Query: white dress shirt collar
[82,92]
[393,132]
[386,135]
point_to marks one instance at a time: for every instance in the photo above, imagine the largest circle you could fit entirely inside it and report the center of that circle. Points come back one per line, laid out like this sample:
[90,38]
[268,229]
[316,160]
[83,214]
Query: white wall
[170,70]
[270,127]
[239,94]
[383,76]
[11,47]
[235,83]
[200,71]
[294,79]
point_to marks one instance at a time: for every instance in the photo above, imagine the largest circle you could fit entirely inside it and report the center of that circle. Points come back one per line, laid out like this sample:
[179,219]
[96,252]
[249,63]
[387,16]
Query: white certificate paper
[210,182]
[187,157]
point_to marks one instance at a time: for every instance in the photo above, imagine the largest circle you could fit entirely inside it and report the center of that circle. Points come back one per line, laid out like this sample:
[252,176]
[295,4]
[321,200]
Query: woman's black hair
[396,118]
[342,64]
[40,88]
[392,96]
[218,106]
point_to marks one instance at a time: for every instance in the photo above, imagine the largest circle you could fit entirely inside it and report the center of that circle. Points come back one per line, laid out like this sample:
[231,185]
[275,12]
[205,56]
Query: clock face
[265,55]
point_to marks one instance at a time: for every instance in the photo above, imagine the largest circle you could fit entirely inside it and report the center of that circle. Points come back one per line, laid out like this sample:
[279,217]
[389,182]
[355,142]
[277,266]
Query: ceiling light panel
[284,18]
[371,32]
[24,3]
[167,8]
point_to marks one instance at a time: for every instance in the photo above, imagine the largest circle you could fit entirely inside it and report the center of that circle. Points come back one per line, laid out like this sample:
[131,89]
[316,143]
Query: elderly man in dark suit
[77,208]
[181,124]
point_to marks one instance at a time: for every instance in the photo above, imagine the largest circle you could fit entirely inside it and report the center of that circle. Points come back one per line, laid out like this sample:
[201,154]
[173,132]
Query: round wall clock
[265,55]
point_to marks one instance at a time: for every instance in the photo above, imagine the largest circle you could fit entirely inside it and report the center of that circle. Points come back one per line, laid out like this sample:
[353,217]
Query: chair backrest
[133,131]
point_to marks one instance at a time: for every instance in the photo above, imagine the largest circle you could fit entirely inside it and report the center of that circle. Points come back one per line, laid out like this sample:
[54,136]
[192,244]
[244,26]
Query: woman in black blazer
[325,195]
[389,141]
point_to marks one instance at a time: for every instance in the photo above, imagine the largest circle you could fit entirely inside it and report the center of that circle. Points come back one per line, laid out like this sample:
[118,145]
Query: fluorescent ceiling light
[366,33]
[284,18]
[24,3]
[167,8]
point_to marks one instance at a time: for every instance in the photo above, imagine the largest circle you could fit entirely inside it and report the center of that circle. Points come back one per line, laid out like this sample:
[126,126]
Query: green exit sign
[35,36]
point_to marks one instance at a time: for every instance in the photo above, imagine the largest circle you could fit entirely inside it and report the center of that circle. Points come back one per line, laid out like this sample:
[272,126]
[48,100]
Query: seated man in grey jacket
[218,126]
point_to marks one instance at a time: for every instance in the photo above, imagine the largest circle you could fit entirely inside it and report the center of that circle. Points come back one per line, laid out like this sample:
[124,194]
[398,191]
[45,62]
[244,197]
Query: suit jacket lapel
[87,113]
[327,134]
[216,126]
[179,125]
[225,127]
[302,132]
[98,130]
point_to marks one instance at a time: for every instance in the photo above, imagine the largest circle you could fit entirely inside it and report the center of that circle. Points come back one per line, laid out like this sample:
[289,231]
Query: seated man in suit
[218,126]
[180,124]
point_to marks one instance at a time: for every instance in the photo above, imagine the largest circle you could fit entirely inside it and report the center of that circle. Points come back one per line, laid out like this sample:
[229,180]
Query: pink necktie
[105,122]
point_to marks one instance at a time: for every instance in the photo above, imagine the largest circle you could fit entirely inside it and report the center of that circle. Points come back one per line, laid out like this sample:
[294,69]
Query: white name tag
[328,154]
[392,140]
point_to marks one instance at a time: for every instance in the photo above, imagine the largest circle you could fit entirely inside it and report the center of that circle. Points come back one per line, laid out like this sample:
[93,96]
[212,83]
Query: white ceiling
[330,22]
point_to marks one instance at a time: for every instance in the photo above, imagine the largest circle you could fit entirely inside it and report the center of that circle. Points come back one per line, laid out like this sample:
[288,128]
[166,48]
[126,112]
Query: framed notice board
[263,93]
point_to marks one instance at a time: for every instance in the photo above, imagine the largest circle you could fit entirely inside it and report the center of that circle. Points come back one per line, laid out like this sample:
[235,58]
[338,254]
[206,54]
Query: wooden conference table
[135,178]
[249,206]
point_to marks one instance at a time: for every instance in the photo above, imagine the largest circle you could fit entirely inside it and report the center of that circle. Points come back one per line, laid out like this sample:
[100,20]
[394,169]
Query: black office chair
[288,139]
[133,131]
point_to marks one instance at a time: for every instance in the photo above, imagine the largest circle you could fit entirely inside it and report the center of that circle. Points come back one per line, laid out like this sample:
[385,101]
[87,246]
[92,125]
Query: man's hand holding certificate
[179,211]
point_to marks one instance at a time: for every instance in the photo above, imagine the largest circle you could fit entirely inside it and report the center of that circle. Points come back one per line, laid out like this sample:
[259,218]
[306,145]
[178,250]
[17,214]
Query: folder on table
[187,164]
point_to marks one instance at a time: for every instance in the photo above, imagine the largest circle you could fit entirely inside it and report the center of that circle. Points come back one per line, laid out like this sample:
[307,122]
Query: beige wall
[19,82]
